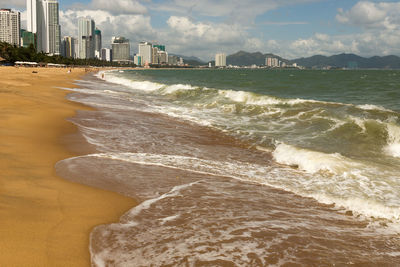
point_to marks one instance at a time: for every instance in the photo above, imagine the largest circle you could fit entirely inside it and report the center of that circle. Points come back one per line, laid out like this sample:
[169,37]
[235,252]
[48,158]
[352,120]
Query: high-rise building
[120,49]
[34,21]
[76,48]
[68,47]
[97,43]
[28,39]
[43,20]
[160,47]
[86,31]
[220,60]
[145,52]
[173,60]
[154,55]
[106,54]
[10,27]
[137,60]
[51,29]
[162,57]
[31,15]
[272,62]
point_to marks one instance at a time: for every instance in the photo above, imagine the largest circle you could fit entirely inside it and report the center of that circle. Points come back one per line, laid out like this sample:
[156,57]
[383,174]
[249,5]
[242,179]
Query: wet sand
[45,220]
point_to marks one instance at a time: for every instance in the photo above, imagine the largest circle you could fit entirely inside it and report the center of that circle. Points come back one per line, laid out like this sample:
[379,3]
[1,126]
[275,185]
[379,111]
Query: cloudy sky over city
[201,28]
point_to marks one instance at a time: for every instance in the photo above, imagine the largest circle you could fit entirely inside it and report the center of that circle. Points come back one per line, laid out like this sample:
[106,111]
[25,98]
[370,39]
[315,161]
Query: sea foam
[393,140]
[312,161]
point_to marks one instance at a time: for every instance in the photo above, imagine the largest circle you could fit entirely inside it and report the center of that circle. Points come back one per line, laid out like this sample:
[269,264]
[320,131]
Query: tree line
[11,54]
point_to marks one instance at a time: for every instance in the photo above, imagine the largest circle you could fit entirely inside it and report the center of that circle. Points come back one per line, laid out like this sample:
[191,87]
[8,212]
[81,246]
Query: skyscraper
[31,15]
[51,29]
[154,55]
[10,27]
[97,43]
[43,20]
[220,60]
[34,21]
[162,57]
[68,47]
[145,53]
[86,28]
[106,54]
[120,49]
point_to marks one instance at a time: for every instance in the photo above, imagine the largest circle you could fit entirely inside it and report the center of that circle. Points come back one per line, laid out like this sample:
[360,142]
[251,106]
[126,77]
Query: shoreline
[46,220]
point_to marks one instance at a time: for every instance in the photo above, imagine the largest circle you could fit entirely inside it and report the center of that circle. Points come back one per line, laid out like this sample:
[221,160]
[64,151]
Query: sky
[202,28]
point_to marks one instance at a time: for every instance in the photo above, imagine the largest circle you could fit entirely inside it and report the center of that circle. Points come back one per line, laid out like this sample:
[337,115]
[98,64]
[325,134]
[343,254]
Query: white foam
[147,204]
[261,100]
[393,140]
[373,107]
[169,218]
[335,179]
[312,161]
[365,207]
[137,85]
[177,87]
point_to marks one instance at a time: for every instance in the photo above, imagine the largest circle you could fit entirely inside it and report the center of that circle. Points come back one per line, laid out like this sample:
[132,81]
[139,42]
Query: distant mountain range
[243,58]
[350,61]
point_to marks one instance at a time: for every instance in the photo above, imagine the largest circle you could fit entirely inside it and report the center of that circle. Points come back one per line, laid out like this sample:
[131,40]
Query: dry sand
[44,220]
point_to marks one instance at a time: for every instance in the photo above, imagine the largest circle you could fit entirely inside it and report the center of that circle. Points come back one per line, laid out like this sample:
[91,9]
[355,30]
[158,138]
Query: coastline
[46,220]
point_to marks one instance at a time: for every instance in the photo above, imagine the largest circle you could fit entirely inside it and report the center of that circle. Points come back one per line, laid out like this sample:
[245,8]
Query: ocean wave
[334,179]
[260,100]
[244,97]
[312,161]
[373,107]
[393,140]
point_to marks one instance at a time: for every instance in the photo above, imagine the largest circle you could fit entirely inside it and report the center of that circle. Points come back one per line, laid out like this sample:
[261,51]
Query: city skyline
[289,28]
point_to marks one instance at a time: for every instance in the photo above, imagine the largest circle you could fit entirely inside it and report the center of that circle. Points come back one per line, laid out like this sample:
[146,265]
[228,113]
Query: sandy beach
[45,220]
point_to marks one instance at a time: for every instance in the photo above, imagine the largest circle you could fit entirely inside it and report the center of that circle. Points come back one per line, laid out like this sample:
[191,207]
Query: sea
[243,167]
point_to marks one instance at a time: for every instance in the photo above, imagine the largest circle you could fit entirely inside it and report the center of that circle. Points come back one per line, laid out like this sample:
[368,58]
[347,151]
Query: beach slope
[45,220]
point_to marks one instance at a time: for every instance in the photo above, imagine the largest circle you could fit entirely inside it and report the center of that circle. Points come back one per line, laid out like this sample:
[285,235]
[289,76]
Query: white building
[31,15]
[120,49]
[34,21]
[145,53]
[220,60]
[86,42]
[10,27]
[272,62]
[162,57]
[43,20]
[106,54]
[76,48]
[51,29]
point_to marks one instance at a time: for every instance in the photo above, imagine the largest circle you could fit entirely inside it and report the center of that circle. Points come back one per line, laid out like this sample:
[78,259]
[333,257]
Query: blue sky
[289,28]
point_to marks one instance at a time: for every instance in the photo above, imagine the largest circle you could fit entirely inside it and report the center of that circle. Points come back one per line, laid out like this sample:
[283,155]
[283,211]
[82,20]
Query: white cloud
[205,39]
[119,6]
[371,15]
[234,10]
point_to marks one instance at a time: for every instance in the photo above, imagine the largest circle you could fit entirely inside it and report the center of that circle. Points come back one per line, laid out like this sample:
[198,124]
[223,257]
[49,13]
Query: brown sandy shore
[44,219]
